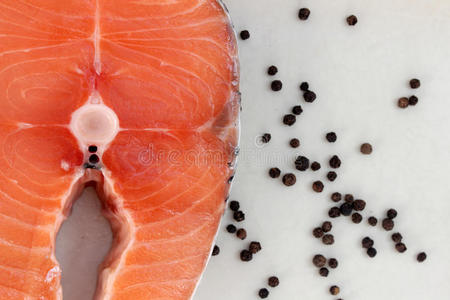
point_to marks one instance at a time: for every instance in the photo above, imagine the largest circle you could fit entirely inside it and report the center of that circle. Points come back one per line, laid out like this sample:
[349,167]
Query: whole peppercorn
[303,14]
[367,242]
[318,186]
[239,216]
[336,197]
[414,83]
[315,166]
[333,263]
[332,176]
[295,143]
[327,226]
[241,234]
[289,119]
[304,86]
[372,221]
[289,179]
[400,247]
[356,218]
[403,102]
[276,85]
[274,172]
[309,96]
[297,110]
[352,20]
[246,255]
[334,290]
[263,293]
[319,260]
[359,205]
[273,281]
[323,272]
[421,257]
[231,228]
[317,232]
[391,213]
[272,70]
[266,137]
[234,205]
[335,162]
[388,224]
[346,209]
[397,237]
[413,100]
[334,212]
[254,247]
[245,35]
[216,250]
[331,137]
[301,163]
[371,252]
[366,148]
[328,239]
[348,198]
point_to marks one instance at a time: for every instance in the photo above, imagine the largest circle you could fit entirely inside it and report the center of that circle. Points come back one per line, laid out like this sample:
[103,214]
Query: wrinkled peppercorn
[331,137]
[245,34]
[246,255]
[327,226]
[421,257]
[366,148]
[273,281]
[348,198]
[372,221]
[266,137]
[309,96]
[323,272]
[317,186]
[328,239]
[346,209]
[315,166]
[304,86]
[289,119]
[413,100]
[359,205]
[272,70]
[234,205]
[301,163]
[263,293]
[387,224]
[297,110]
[317,232]
[216,250]
[231,228]
[274,172]
[276,85]
[333,263]
[335,162]
[414,83]
[331,176]
[295,143]
[356,218]
[303,14]
[367,242]
[241,234]
[336,197]
[319,260]
[397,237]
[239,216]
[334,212]
[352,20]
[400,247]
[403,102]
[391,213]
[371,252]
[289,179]
[334,290]
[254,247]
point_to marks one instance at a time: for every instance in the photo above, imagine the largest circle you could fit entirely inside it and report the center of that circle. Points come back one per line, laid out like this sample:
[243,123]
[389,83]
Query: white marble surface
[358,73]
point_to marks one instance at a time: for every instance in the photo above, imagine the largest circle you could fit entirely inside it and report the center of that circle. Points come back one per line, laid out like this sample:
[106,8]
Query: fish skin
[169,71]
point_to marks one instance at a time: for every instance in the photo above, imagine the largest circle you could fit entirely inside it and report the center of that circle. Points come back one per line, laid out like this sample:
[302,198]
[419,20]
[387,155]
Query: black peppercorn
[348,198]
[367,242]
[403,102]
[231,228]
[289,179]
[304,86]
[414,83]
[335,162]
[372,221]
[289,119]
[391,213]
[245,34]
[387,224]
[303,14]
[352,20]
[301,163]
[413,100]
[234,205]
[334,212]
[366,148]
[239,216]
[400,247]
[246,255]
[315,166]
[397,237]
[336,197]
[334,290]
[295,143]
[263,293]
[327,226]
[359,205]
[346,209]
[272,70]
[266,137]
[333,263]
[328,239]
[317,186]
[297,110]
[331,137]
[309,96]
[323,272]
[421,257]
[356,218]
[317,232]
[241,234]
[331,176]
[254,247]
[274,172]
[319,260]
[276,85]
[371,252]
[273,281]
[216,250]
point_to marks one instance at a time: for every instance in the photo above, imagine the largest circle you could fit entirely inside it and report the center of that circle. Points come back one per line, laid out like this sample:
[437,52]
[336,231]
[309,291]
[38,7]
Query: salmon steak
[136,97]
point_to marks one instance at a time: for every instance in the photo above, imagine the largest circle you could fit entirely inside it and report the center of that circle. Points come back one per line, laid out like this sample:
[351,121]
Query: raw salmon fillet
[154,85]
